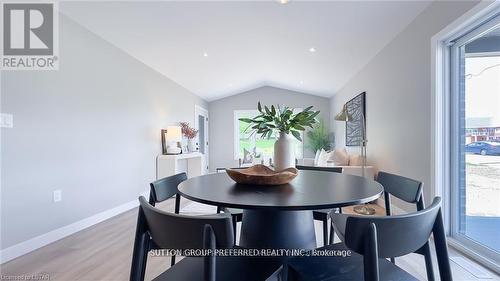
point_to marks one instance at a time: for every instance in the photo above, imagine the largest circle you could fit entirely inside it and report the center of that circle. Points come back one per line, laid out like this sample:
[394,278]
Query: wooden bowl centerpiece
[262,175]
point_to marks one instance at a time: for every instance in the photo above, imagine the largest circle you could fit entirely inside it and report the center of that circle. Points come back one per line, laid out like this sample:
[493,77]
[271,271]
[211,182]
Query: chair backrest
[165,188]
[324,169]
[396,235]
[173,231]
[406,189]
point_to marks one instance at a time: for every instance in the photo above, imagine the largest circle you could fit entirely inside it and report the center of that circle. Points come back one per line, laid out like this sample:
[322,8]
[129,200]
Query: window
[475,173]
[246,140]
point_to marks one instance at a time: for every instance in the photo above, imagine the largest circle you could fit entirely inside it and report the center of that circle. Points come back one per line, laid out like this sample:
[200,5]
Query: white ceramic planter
[284,153]
[191,145]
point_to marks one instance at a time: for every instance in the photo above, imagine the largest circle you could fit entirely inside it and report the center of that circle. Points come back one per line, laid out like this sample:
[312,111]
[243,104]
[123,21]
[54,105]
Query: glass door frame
[457,136]
[201,111]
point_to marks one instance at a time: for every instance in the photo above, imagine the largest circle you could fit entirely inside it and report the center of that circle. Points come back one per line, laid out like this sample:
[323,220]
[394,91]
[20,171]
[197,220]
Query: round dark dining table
[280,217]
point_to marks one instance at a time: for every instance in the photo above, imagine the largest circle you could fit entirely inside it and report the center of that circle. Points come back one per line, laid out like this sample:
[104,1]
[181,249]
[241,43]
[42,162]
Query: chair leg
[177,203]
[325,232]
[234,228]
[332,233]
[370,257]
[393,260]
[209,273]
[139,258]
[141,249]
[219,209]
[428,261]
[441,249]
[172,261]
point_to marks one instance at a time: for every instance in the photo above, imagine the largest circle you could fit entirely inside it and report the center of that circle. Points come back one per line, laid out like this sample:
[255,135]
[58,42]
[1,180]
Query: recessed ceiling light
[205,54]
[312,50]
[283,1]
[301,82]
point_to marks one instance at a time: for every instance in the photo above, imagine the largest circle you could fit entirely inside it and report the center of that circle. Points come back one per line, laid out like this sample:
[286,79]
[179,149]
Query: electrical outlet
[6,120]
[57,195]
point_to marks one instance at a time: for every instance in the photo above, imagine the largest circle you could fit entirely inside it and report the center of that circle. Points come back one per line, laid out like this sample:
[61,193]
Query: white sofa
[356,170]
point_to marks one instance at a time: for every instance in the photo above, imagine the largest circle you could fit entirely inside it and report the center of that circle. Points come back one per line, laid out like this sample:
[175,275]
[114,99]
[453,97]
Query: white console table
[168,165]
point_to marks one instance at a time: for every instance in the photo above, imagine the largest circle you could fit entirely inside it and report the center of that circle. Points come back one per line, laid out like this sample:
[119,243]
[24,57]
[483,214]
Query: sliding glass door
[475,204]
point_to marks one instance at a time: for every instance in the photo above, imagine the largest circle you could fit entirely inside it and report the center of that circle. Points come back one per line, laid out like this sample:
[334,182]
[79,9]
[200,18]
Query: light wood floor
[103,252]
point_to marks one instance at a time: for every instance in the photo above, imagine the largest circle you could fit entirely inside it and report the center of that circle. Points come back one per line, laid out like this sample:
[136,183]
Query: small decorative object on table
[170,139]
[249,156]
[190,134]
[364,210]
[284,121]
[262,175]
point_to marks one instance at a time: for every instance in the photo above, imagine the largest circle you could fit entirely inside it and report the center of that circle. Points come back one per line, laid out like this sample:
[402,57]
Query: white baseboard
[32,244]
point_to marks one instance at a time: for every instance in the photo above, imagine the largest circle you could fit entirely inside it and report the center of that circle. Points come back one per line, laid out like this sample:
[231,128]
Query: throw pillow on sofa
[316,157]
[323,158]
[355,160]
[340,157]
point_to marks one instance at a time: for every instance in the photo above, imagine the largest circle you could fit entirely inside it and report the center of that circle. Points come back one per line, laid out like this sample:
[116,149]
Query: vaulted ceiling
[216,49]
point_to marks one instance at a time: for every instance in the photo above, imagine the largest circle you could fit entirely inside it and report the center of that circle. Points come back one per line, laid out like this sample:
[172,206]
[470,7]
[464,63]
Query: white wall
[91,129]
[397,83]
[222,118]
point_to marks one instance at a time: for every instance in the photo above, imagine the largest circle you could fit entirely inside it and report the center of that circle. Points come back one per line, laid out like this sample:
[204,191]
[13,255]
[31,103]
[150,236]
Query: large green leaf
[307,108]
[268,112]
[312,116]
[298,127]
[296,134]
[246,120]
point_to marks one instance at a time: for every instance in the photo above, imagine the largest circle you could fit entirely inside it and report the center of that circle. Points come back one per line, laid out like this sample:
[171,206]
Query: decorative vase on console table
[191,145]
[190,133]
[282,120]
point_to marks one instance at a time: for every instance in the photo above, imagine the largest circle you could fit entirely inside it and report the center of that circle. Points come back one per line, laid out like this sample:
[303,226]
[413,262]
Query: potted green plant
[320,138]
[282,120]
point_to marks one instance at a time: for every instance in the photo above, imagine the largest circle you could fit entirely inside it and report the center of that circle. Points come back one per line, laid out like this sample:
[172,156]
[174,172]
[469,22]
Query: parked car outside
[483,148]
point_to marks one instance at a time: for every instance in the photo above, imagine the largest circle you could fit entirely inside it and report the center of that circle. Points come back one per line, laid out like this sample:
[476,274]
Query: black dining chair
[323,214]
[410,191]
[165,188]
[372,239]
[236,214]
[157,229]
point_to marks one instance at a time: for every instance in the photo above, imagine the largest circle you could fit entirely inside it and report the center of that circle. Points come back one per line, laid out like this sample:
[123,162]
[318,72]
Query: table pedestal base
[264,229]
